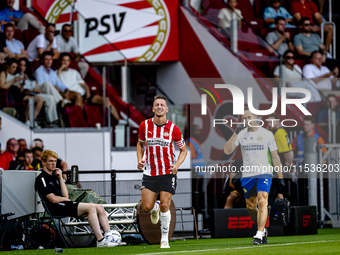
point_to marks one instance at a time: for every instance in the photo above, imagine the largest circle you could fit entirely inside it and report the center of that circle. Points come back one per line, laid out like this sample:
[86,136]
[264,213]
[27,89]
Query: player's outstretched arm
[180,160]
[230,146]
[140,154]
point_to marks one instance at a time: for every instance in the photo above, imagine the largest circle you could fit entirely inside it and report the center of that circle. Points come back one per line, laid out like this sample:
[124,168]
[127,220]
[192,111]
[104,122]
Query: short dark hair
[160,97]
[303,19]
[310,118]
[331,95]
[20,154]
[315,52]
[50,25]
[21,139]
[37,149]
[64,54]
[8,25]
[278,18]
[38,139]
[273,115]
[286,52]
[44,54]
[65,25]
[27,151]
[10,62]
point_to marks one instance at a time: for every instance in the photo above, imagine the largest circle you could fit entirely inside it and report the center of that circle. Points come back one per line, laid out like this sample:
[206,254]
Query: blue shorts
[254,184]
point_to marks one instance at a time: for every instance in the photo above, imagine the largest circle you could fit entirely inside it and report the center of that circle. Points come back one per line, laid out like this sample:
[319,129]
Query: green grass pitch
[326,242]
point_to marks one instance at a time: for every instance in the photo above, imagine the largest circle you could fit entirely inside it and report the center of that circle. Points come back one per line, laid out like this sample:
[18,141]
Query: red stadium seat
[74,116]
[246,8]
[255,24]
[315,107]
[93,114]
[29,35]
[259,6]
[19,36]
[301,62]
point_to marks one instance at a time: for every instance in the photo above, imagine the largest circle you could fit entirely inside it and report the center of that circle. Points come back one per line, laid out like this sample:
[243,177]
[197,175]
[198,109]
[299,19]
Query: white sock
[155,207]
[259,234]
[165,225]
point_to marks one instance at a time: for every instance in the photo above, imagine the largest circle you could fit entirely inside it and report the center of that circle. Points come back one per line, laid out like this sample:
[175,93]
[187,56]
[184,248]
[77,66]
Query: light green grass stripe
[240,248]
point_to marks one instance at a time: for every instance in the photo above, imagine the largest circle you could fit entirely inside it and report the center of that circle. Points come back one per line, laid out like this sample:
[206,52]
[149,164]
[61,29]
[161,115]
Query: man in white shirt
[43,42]
[319,74]
[77,88]
[14,48]
[67,43]
[259,151]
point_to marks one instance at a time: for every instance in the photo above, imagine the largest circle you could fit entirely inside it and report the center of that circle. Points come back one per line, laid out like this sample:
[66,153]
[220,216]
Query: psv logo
[166,134]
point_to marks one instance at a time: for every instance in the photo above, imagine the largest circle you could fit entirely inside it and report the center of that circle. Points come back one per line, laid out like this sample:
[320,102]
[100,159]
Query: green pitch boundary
[327,241]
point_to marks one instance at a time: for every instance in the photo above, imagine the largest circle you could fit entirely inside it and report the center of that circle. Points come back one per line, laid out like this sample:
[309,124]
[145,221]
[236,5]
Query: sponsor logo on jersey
[158,142]
[266,181]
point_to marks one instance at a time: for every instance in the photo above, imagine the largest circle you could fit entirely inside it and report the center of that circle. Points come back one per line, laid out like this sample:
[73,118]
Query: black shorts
[167,182]
[89,100]
[67,208]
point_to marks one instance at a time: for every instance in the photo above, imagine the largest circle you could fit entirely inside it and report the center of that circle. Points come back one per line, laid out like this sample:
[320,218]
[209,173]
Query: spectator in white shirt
[292,77]
[42,43]
[319,74]
[67,43]
[77,88]
[226,15]
[31,84]
[49,82]
[14,48]
[291,72]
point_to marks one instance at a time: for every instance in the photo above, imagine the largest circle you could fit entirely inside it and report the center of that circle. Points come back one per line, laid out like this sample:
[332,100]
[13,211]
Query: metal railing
[332,50]
[332,156]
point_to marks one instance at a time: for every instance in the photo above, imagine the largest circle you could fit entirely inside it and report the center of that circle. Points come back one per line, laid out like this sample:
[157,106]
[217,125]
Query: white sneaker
[154,215]
[65,102]
[165,244]
[105,243]
[36,125]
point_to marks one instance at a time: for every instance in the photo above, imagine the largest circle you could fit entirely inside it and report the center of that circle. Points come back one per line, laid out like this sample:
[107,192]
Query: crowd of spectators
[17,156]
[51,88]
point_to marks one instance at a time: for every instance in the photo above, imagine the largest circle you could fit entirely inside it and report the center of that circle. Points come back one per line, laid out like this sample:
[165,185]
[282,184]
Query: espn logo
[242,222]
[306,221]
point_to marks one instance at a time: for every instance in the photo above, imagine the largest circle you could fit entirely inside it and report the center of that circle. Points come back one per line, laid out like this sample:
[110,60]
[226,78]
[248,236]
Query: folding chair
[61,223]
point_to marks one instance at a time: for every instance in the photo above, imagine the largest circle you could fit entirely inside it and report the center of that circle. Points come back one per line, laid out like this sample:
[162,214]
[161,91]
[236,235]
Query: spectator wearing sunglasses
[291,72]
[67,43]
[276,10]
[307,41]
[292,77]
[308,9]
[279,39]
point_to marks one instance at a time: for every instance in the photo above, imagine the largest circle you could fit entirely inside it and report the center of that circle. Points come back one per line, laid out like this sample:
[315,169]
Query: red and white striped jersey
[160,150]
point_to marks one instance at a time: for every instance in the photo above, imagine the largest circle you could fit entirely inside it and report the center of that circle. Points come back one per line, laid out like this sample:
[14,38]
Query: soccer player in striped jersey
[258,149]
[156,138]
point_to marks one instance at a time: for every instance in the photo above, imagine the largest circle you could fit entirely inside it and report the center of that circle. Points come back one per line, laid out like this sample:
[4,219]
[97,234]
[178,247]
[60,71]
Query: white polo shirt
[311,71]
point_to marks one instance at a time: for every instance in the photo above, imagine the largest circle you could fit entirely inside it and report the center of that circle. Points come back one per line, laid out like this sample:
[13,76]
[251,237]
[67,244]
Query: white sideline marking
[240,248]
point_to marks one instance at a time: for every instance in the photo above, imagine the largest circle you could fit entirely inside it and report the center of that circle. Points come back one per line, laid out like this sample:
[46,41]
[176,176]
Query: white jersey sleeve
[272,144]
